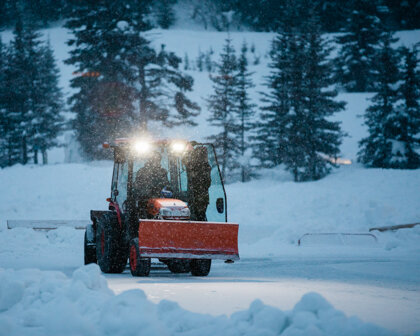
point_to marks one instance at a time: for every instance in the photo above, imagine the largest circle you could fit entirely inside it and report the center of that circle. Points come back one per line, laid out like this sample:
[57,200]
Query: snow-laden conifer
[408,109]
[48,120]
[295,127]
[3,97]
[271,137]
[245,112]
[356,60]
[33,104]
[222,104]
[122,82]
[383,147]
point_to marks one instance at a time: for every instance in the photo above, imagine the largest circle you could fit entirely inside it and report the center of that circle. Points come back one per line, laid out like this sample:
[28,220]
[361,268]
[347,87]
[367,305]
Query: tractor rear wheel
[179,266]
[138,266]
[90,252]
[111,251]
[200,267]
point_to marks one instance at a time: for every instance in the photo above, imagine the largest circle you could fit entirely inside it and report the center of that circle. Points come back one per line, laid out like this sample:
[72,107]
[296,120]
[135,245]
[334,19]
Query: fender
[118,211]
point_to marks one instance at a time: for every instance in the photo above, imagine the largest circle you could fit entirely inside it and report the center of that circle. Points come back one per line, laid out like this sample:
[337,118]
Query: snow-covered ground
[48,303]
[378,282]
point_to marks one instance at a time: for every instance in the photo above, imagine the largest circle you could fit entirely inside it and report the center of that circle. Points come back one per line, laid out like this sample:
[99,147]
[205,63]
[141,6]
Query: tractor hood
[168,208]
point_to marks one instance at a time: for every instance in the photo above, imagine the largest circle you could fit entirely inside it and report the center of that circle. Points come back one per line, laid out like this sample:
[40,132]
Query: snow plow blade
[46,225]
[188,239]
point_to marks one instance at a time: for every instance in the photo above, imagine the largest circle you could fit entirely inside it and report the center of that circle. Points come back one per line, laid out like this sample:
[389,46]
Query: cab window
[216,210]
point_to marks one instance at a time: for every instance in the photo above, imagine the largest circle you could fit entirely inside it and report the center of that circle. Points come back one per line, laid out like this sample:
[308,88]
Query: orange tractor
[184,226]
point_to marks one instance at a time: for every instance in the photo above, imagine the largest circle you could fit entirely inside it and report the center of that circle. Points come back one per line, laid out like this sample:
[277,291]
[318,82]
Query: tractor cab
[130,157]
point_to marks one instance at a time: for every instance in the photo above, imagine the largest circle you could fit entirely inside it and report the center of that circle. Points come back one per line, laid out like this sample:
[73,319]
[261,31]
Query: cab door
[119,184]
[217,209]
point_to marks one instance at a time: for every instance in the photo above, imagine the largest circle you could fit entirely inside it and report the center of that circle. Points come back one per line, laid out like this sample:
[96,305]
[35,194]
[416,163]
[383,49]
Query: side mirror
[115,192]
[220,205]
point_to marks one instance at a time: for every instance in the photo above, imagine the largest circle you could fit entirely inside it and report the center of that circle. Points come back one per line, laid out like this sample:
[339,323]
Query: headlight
[185,212]
[142,147]
[178,147]
[165,212]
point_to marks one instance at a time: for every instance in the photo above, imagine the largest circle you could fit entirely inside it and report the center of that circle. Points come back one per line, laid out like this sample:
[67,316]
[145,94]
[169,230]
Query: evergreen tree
[31,100]
[405,15]
[294,128]
[163,86]
[200,61]
[24,74]
[313,139]
[223,108]
[135,85]
[165,13]
[186,62]
[48,120]
[168,75]
[208,62]
[382,148]
[271,138]
[356,61]
[9,118]
[333,14]
[103,102]
[407,118]
[245,110]
[3,96]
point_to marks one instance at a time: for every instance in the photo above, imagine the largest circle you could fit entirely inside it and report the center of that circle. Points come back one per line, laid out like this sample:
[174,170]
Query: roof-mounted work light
[178,147]
[142,146]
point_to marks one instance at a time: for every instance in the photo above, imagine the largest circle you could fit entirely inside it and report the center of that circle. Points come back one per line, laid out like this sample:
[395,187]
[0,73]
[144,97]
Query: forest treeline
[259,15]
[122,85]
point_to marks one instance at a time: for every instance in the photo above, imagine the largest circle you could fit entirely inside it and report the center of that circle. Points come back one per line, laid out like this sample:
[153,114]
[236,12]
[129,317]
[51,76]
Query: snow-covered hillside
[191,43]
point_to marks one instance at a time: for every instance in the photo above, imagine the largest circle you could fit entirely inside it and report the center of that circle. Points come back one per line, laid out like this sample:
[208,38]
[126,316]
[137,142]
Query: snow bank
[57,249]
[273,212]
[62,191]
[33,303]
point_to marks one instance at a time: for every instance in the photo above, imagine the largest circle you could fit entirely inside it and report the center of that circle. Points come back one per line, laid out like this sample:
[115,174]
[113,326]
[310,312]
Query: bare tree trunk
[24,151]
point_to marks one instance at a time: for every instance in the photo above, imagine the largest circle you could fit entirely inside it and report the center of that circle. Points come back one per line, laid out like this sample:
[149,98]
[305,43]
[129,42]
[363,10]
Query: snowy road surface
[371,283]
[367,287]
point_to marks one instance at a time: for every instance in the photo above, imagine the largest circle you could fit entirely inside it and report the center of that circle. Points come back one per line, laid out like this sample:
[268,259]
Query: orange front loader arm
[188,239]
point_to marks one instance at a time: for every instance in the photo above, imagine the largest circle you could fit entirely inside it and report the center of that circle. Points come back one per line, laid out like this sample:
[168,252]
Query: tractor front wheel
[111,251]
[138,266]
[200,267]
[90,251]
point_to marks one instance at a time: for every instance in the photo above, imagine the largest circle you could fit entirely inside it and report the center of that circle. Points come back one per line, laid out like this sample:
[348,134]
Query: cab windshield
[177,172]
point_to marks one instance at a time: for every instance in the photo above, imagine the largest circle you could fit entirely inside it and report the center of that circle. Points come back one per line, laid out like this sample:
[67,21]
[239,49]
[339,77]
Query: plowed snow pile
[48,303]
